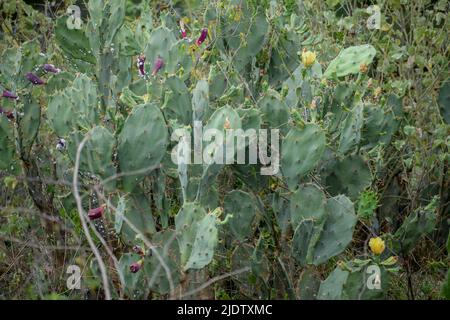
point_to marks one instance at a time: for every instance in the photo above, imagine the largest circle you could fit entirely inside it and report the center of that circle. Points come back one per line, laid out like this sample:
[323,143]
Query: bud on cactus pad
[308,58]
[138,250]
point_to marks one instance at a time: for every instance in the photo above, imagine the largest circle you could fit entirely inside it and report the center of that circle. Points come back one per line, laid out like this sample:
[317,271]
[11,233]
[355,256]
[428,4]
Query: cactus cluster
[130,86]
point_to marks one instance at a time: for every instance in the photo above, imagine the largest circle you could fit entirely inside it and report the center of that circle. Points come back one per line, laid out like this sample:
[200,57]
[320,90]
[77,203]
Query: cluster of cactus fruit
[237,73]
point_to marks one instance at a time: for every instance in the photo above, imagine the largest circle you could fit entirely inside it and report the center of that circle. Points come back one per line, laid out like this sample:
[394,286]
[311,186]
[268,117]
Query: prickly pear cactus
[134,74]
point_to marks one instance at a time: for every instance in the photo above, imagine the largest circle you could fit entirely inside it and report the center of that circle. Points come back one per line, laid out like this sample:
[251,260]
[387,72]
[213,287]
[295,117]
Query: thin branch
[82,213]
[215,279]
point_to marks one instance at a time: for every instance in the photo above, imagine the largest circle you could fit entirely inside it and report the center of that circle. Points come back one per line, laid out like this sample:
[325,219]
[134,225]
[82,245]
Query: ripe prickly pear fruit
[8,114]
[34,79]
[141,65]
[159,63]
[183,29]
[136,266]
[50,68]
[96,213]
[202,37]
[9,95]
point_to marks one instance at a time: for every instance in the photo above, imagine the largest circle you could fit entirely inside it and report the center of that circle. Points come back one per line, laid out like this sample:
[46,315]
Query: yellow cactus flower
[308,58]
[377,245]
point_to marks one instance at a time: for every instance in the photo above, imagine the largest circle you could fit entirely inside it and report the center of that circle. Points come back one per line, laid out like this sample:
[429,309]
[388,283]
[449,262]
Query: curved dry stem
[84,224]
[215,279]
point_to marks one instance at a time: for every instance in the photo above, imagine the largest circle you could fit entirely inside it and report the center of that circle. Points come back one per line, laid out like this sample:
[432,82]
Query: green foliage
[367,203]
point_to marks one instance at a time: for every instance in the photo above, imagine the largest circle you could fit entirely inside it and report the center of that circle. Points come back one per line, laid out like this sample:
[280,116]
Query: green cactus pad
[349,60]
[177,101]
[186,227]
[200,100]
[166,245]
[308,202]
[29,123]
[7,148]
[337,231]
[350,135]
[142,143]
[243,208]
[444,101]
[317,240]
[96,155]
[349,176]
[331,288]
[204,244]
[275,113]
[301,151]
[138,211]
[73,42]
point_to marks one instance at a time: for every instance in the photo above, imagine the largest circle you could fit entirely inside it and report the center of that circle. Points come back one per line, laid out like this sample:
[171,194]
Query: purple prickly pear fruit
[9,95]
[34,79]
[141,65]
[159,63]
[136,266]
[50,68]
[8,114]
[96,212]
[183,29]
[202,37]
